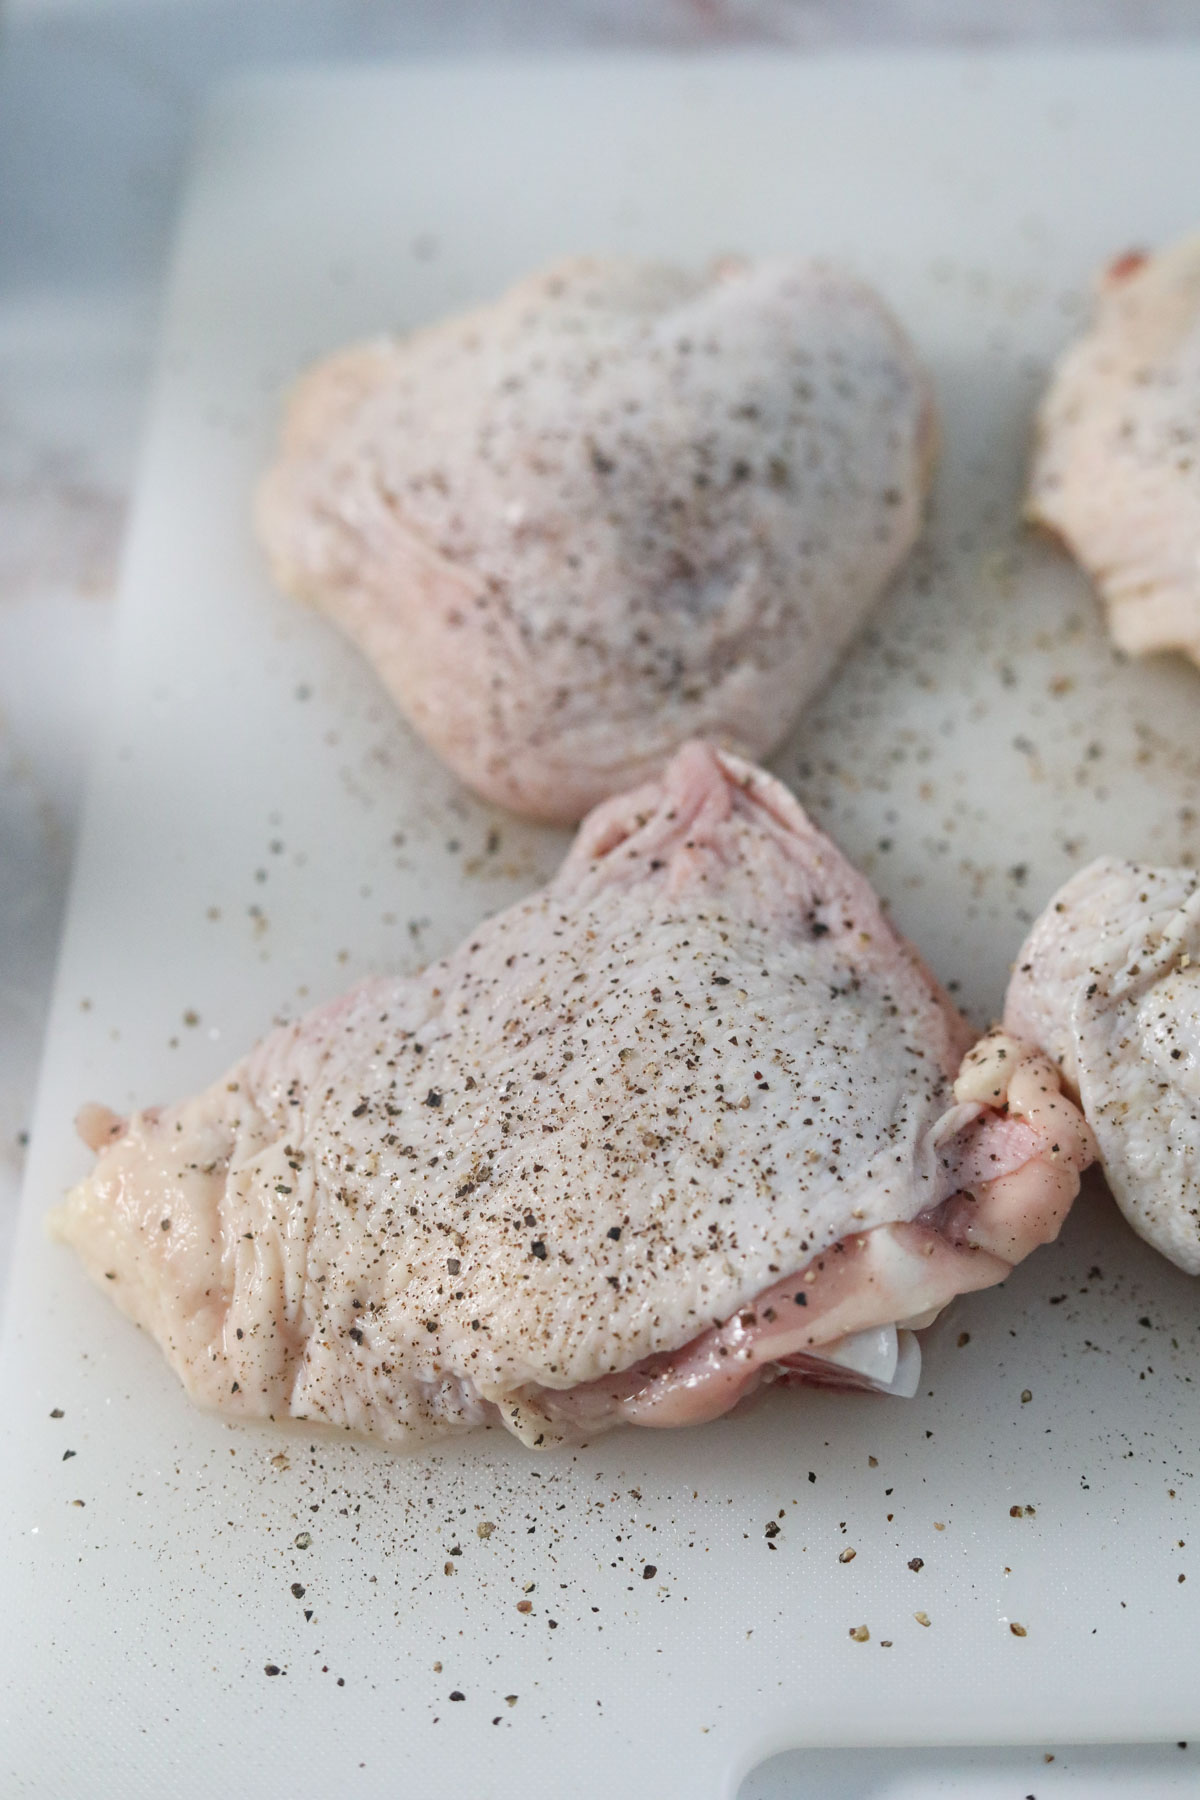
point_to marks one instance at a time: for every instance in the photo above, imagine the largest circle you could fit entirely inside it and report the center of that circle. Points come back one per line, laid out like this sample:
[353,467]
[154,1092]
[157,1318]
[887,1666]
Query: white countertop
[97,99]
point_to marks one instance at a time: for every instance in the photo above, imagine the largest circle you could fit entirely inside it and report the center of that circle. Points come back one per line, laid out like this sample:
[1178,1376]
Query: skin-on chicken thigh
[620,507]
[1116,472]
[1108,982]
[690,1117]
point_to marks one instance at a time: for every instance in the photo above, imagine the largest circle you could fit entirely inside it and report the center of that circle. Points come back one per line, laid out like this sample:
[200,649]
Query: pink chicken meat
[621,506]
[691,1118]
[1116,472]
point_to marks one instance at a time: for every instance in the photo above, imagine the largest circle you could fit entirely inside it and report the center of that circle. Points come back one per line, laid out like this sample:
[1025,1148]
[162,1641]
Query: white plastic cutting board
[262,830]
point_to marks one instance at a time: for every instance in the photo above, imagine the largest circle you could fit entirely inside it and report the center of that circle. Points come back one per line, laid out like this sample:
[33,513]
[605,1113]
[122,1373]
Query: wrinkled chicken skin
[1109,982]
[620,507]
[1116,471]
[902,1274]
[580,1171]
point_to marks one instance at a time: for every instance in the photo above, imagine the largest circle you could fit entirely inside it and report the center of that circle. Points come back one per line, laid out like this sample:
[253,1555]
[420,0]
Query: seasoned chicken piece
[1116,473]
[1108,983]
[684,1118]
[620,507]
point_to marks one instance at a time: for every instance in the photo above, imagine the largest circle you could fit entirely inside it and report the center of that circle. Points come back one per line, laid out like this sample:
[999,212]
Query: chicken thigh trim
[861,1302]
[1109,982]
[699,1064]
[1116,474]
[621,506]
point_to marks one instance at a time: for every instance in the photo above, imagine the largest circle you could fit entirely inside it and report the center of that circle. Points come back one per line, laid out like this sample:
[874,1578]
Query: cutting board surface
[262,830]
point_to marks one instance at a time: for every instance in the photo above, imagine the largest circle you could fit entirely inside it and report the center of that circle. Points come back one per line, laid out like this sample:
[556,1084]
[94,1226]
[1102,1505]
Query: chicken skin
[1116,471]
[1109,984]
[618,508]
[691,1118]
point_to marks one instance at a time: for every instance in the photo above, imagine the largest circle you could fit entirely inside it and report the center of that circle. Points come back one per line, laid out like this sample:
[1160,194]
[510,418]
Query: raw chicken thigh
[620,507]
[1116,472]
[1109,983]
[690,1117]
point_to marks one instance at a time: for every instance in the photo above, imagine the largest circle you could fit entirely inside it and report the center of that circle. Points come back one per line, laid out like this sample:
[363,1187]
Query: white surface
[1143,1772]
[954,735]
